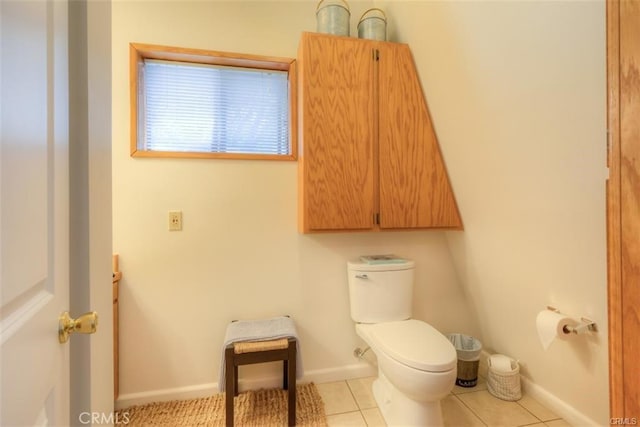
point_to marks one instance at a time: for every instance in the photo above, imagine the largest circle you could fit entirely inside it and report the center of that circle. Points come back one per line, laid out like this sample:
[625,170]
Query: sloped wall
[517,92]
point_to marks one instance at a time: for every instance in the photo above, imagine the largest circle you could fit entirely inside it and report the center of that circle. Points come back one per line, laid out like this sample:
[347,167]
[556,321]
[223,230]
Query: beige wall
[517,95]
[240,255]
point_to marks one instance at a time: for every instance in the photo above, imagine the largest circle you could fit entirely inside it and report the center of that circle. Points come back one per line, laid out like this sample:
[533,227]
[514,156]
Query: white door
[41,110]
[34,261]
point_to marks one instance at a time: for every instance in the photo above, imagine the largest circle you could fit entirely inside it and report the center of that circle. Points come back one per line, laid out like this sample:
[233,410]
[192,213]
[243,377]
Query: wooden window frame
[138,52]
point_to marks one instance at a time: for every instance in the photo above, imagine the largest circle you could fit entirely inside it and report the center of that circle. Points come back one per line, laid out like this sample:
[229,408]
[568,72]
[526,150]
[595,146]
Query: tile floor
[351,403]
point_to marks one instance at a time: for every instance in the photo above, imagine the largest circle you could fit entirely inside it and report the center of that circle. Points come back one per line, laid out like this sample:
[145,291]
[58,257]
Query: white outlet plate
[175,220]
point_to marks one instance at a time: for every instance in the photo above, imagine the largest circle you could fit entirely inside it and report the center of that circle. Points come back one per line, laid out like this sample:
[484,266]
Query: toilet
[416,363]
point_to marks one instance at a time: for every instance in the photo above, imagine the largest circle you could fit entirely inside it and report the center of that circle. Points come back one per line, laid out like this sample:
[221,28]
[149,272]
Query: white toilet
[416,363]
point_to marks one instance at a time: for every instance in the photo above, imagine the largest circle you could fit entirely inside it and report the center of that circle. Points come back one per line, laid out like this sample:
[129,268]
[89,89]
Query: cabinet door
[337,133]
[414,187]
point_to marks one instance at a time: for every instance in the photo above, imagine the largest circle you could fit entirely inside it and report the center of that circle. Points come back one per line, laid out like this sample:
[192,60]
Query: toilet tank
[380,292]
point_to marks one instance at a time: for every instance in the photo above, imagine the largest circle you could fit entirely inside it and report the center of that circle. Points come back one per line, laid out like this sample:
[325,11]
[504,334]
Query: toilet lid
[416,344]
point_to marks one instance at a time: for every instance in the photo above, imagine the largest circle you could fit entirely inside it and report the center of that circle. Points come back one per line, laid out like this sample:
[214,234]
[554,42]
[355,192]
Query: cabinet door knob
[362,276]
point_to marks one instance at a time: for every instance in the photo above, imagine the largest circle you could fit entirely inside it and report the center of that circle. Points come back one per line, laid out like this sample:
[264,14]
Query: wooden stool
[250,352]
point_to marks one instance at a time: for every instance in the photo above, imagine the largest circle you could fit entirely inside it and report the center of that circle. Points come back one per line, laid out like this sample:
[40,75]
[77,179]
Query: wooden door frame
[623,216]
[616,390]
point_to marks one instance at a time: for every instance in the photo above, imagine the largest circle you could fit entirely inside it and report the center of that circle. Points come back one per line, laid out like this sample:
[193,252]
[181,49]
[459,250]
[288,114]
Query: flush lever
[362,276]
[85,324]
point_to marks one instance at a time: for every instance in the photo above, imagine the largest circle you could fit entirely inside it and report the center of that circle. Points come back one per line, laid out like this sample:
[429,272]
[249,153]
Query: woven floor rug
[252,408]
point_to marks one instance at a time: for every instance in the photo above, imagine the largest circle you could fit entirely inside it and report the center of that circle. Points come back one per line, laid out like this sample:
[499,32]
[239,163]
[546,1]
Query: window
[196,103]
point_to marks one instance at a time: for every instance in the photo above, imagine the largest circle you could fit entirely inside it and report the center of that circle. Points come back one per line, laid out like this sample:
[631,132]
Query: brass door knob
[85,324]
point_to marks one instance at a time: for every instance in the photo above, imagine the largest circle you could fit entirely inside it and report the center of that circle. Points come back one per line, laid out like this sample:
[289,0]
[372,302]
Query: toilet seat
[414,343]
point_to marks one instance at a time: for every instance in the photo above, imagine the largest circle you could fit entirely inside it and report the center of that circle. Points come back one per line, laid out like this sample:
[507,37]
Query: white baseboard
[165,395]
[342,373]
[360,370]
[561,408]
[203,390]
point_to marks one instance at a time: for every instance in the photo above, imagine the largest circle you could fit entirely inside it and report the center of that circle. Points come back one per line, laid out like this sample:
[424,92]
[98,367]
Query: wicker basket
[505,385]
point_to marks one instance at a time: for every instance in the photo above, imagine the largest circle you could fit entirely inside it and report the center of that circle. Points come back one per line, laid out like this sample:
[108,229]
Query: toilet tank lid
[384,265]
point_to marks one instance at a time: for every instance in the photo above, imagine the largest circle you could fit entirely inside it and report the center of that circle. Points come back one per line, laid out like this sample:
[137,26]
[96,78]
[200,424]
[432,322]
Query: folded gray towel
[260,330]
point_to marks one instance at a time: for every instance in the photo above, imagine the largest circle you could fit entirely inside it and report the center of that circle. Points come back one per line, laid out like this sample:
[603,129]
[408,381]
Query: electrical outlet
[175,221]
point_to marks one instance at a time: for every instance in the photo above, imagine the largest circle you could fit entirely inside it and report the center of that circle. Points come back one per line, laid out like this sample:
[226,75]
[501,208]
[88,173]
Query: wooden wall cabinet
[369,158]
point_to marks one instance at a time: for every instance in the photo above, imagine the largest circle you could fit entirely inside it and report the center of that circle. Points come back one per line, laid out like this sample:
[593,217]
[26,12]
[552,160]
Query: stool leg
[230,380]
[235,380]
[291,373]
[285,374]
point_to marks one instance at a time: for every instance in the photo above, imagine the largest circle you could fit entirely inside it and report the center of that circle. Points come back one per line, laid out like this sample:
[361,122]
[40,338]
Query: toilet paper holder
[583,325]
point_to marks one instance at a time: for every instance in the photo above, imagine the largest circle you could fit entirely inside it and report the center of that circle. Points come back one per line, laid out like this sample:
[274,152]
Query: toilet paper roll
[550,326]
[500,362]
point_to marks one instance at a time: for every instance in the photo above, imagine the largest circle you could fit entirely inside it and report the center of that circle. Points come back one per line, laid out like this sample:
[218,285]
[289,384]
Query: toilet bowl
[416,363]
[416,370]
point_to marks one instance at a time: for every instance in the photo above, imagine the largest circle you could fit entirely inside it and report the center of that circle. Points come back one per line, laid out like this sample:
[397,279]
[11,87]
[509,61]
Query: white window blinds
[186,107]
